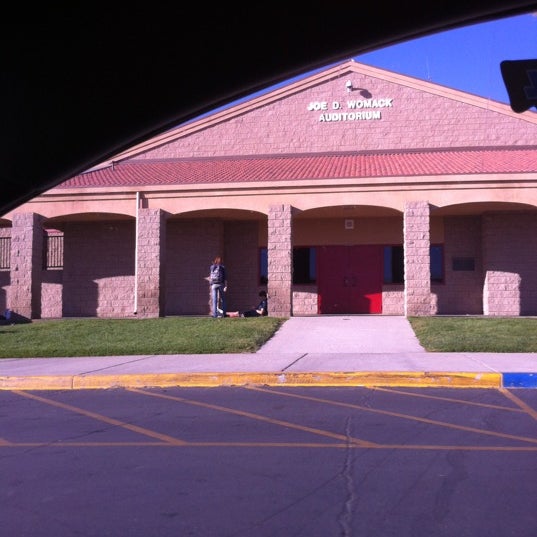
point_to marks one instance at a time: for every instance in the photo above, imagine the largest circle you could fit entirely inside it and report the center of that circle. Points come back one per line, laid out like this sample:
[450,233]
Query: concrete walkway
[339,334]
[339,350]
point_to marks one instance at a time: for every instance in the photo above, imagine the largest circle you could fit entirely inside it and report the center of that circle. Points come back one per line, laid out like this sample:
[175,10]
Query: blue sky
[467,59]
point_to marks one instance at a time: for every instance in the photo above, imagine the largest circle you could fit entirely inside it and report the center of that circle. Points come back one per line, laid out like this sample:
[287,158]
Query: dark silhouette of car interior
[82,82]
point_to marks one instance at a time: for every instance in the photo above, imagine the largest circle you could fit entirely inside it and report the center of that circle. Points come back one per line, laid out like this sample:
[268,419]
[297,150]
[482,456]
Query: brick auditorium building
[354,190]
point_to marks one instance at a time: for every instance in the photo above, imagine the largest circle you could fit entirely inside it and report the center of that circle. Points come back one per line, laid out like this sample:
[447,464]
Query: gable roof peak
[342,69]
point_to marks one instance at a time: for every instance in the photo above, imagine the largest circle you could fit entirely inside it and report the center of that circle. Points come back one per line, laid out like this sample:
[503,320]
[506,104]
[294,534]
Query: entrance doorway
[350,279]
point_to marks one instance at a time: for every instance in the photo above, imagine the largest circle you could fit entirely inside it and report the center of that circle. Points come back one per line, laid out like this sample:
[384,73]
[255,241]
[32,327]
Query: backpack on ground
[217,274]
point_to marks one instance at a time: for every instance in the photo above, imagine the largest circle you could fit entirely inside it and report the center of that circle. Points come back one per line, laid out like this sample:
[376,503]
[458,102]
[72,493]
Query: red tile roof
[308,167]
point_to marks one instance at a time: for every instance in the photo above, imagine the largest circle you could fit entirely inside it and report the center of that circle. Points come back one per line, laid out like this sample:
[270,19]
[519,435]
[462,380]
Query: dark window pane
[263,266]
[437,263]
[304,265]
[394,268]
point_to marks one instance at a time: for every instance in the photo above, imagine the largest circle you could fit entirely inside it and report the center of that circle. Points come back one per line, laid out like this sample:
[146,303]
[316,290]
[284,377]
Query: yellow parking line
[526,408]
[300,445]
[200,443]
[435,447]
[92,444]
[100,417]
[397,415]
[447,399]
[345,441]
[362,443]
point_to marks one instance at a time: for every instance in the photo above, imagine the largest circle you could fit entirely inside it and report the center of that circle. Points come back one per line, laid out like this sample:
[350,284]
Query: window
[437,263]
[394,268]
[394,271]
[53,251]
[304,265]
[263,266]
[5,253]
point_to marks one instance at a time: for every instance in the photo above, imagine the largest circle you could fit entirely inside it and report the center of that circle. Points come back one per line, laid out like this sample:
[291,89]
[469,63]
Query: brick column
[151,241]
[418,299]
[280,260]
[24,297]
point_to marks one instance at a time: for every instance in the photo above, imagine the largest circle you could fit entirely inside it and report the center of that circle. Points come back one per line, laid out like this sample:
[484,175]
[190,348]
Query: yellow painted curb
[47,382]
[165,380]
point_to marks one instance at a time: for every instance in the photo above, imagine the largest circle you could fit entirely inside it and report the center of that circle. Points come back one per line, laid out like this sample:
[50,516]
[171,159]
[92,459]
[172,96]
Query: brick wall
[393,299]
[242,263]
[191,247]
[99,269]
[462,290]
[501,294]
[510,260]
[51,294]
[305,300]
[286,125]
[4,286]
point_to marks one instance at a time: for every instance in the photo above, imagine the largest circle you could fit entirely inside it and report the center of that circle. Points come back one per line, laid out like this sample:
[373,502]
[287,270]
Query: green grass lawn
[116,337]
[476,334]
[204,335]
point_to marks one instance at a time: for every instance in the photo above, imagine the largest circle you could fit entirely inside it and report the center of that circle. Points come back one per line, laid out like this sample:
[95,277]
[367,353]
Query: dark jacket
[222,274]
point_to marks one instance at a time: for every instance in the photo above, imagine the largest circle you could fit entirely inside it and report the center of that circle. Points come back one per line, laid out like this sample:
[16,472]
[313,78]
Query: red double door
[350,279]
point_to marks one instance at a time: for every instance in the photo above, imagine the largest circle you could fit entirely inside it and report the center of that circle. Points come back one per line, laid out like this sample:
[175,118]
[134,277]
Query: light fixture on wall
[363,92]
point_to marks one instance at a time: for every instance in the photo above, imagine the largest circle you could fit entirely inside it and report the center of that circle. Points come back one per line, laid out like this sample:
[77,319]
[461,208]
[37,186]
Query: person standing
[218,283]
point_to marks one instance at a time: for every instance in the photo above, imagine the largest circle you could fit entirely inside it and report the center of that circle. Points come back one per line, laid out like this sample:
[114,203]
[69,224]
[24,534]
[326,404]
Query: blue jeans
[218,297]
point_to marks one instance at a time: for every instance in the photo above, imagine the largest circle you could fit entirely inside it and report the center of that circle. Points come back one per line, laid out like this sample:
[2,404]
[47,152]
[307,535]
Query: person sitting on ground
[260,310]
